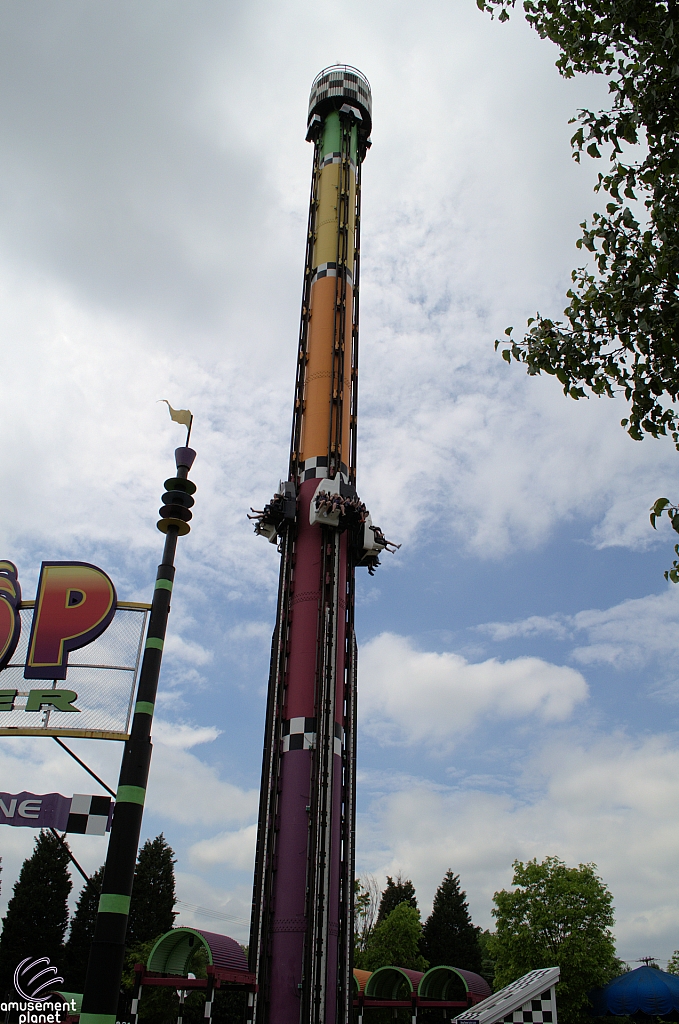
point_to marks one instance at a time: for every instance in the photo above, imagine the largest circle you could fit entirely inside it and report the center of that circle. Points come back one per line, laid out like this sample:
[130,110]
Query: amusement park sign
[75,609]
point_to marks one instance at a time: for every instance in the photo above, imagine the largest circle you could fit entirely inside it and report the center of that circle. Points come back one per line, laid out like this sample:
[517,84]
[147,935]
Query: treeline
[553,916]
[37,917]
[388,929]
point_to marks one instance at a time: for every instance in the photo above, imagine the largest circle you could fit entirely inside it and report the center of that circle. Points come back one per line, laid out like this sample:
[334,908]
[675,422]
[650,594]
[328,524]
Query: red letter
[74,605]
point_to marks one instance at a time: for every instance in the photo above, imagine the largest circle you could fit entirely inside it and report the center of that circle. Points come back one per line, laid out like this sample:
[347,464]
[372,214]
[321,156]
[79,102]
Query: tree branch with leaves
[620,335]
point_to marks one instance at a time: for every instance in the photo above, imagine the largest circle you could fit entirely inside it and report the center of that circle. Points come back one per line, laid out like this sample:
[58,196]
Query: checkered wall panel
[89,814]
[535,1011]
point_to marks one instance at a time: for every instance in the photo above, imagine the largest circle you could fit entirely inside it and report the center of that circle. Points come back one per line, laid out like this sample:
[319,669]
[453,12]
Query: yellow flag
[179,415]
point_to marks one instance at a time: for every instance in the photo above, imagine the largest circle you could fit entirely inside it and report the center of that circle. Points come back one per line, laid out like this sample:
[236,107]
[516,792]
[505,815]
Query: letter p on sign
[75,603]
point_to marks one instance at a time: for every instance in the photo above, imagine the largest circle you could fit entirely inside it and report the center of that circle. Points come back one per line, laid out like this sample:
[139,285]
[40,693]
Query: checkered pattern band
[89,815]
[317,469]
[535,1011]
[329,270]
[335,158]
[300,734]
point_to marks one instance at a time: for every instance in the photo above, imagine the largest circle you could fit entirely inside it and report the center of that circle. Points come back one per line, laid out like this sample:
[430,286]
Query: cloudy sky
[518,695]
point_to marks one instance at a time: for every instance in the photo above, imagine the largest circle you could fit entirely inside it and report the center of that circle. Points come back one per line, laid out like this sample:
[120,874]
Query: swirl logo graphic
[10,621]
[30,980]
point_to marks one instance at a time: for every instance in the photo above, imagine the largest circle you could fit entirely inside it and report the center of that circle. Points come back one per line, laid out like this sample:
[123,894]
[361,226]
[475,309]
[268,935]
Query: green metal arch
[69,997]
[387,983]
[173,951]
[443,982]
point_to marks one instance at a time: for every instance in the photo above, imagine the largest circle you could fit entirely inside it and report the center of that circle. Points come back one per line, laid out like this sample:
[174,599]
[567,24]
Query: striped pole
[105,967]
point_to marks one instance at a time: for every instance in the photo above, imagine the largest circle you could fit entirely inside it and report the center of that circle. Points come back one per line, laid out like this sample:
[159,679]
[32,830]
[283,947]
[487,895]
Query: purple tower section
[297,776]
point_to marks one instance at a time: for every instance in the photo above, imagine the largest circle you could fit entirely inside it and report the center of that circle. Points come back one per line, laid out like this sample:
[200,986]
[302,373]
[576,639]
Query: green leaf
[507,355]
[660,505]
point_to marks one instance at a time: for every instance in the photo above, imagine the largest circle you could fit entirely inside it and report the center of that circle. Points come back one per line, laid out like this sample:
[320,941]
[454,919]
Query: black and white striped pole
[105,968]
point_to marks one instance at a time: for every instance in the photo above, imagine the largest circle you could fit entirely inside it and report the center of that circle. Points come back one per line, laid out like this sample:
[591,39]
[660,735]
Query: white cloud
[188,791]
[629,634]
[212,907]
[186,650]
[606,800]
[181,735]
[233,849]
[247,632]
[626,635]
[534,625]
[149,265]
[409,696]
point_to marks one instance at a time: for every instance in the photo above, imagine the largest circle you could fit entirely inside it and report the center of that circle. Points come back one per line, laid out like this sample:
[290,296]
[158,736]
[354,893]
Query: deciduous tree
[556,916]
[620,334]
[395,941]
[366,902]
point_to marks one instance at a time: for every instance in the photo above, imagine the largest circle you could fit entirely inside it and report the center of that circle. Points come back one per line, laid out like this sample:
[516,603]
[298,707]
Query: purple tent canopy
[647,990]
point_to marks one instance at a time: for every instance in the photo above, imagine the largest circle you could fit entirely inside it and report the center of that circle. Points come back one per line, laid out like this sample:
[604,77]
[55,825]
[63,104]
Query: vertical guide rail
[353,419]
[335,431]
[268,797]
[300,376]
[320,832]
[265,856]
[348,861]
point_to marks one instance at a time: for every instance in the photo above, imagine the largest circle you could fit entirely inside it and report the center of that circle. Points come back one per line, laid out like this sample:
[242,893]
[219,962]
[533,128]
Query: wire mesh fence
[103,675]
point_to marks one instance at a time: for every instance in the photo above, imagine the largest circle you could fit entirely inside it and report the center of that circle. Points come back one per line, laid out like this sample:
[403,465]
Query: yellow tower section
[327,404]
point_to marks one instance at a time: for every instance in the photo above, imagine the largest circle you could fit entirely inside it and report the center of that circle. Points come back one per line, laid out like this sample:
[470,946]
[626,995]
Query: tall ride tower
[301,936]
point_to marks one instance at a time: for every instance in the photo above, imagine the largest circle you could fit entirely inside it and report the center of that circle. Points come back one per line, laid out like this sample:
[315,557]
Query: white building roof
[511,998]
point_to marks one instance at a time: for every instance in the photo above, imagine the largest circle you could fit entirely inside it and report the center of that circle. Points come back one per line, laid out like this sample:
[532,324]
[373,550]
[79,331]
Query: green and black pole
[105,968]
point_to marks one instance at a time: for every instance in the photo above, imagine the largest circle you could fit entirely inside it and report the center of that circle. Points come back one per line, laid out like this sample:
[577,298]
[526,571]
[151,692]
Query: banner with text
[82,813]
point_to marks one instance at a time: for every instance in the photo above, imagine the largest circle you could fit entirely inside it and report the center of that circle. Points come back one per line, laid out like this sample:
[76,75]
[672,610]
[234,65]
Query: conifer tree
[37,913]
[448,936]
[77,949]
[400,891]
[153,895]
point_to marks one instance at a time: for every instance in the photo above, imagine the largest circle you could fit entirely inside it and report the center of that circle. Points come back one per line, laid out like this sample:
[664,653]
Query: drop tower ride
[301,939]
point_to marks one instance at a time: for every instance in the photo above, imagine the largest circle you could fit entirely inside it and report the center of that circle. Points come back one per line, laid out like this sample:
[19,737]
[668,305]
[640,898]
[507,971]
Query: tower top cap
[340,84]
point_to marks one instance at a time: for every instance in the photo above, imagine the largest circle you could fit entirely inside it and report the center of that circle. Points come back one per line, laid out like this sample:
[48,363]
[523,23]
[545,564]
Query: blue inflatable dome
[646,989]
